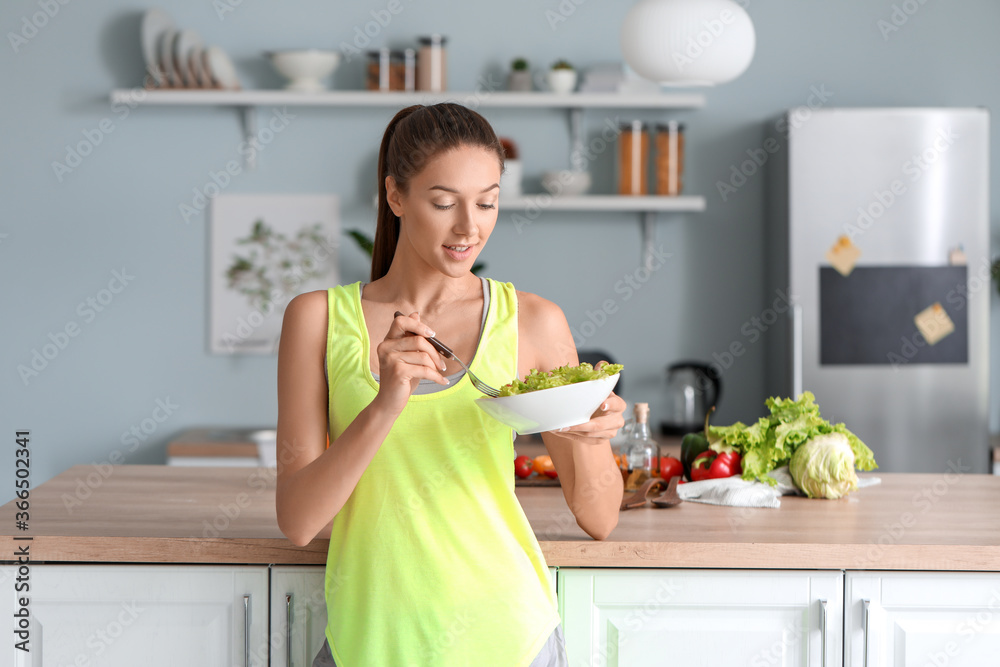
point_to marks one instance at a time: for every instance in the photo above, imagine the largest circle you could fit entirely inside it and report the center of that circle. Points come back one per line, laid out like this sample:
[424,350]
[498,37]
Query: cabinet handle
[246,631]
[865,614]
[796,349]
[288,630]
[822,625]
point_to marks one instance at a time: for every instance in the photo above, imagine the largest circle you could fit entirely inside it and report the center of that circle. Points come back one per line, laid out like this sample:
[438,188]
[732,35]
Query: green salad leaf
[771,441]
[558,377]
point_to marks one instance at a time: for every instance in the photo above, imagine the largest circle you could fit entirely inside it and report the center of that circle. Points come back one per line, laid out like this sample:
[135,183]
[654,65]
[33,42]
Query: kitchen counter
[162,514]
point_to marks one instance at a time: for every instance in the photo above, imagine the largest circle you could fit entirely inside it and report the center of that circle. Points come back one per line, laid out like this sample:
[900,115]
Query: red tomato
[523,466]
[725,465]
[701,465]
[670,467]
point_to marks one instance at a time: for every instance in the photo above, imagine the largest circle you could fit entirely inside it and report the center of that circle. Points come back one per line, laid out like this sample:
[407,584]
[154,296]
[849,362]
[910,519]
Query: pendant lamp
[688,42]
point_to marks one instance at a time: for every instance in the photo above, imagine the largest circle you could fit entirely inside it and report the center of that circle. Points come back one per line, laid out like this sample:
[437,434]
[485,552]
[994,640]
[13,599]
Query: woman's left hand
[603,424]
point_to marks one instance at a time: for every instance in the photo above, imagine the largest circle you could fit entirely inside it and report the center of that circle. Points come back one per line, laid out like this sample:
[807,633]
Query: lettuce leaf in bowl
[557,377]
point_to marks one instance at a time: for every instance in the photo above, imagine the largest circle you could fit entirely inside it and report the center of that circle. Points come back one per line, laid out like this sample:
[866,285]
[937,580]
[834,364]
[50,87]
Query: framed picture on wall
[266,249]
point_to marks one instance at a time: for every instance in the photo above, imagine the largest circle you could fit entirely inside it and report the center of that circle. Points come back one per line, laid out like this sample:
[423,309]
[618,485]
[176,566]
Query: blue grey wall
[64,235]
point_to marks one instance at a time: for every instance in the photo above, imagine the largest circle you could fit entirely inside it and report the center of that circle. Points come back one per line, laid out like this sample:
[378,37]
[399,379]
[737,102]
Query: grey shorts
[553,653]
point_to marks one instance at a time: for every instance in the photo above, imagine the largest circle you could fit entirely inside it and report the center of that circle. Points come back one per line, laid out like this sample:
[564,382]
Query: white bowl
[566,182]
[549,409]
[306,68]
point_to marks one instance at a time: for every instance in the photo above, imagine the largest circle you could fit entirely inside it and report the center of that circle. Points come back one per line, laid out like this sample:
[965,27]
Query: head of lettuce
[823,467]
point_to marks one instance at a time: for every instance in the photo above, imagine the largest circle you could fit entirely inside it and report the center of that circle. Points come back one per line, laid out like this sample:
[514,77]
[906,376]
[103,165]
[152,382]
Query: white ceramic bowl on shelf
[549,409]
[566,182]
[305,68]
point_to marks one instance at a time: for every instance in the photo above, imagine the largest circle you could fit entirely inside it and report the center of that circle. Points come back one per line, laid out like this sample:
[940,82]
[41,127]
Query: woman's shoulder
[546,338]
[317,300]
[306,309]
[534,306]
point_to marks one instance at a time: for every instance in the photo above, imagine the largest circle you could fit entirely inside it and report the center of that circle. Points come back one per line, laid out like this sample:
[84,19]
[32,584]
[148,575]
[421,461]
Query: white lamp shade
[688,42]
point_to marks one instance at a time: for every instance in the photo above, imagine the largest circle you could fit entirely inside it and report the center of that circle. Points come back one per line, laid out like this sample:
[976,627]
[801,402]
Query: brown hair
[414,136]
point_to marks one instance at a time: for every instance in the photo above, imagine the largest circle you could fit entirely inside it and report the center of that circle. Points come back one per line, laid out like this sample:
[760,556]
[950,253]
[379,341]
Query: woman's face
[449,209]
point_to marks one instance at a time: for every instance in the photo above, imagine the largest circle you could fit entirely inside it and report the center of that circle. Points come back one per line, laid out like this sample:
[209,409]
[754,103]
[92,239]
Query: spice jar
[669,158]
[432,70]
[386,70]
[409,70]
[633,156]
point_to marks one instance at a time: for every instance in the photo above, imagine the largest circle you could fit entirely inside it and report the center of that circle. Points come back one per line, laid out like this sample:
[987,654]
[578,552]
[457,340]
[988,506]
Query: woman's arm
[589,475]
[314,481]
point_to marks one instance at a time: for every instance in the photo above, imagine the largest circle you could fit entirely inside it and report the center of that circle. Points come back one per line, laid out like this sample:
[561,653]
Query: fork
[446,352]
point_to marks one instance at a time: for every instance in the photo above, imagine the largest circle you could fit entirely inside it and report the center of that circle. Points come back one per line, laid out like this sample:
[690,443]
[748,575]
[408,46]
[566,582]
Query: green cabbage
[558,377]
[824,467]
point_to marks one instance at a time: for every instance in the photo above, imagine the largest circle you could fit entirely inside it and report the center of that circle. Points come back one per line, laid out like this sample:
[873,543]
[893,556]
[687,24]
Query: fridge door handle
[796,349]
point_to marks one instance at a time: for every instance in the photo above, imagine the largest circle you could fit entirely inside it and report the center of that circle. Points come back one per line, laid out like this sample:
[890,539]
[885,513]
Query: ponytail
[386,224]
[413,136]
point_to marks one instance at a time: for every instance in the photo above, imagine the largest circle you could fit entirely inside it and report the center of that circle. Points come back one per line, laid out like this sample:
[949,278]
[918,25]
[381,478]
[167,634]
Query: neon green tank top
[432,560]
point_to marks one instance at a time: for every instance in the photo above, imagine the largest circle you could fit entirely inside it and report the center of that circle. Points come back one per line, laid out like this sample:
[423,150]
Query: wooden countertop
[165,514]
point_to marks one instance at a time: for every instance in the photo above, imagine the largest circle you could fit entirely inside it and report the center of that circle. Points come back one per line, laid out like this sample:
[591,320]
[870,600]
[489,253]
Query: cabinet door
[298,614]
[922,618]
[150,615]
[637,616]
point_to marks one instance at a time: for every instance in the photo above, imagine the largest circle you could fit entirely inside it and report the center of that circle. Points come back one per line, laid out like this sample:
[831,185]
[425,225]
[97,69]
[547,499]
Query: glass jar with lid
[669,158]
[390,70]
[633,157]
[432,65]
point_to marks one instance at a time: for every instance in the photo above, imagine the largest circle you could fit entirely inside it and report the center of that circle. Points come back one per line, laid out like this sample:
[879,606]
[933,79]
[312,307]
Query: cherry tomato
[543,465]
[670,467]
[701,465]
[523,466]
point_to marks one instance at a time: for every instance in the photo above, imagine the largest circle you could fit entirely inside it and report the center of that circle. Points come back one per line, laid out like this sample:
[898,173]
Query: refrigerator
[878,236]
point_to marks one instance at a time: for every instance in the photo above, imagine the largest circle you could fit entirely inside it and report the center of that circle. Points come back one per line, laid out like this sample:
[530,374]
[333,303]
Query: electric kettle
[692,388]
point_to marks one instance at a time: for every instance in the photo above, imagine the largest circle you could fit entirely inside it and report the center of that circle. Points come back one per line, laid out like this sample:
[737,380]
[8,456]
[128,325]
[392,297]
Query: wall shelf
[365,98]
[646,203]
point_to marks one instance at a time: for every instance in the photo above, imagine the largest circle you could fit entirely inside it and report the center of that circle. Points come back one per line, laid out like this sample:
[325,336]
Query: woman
[431,560]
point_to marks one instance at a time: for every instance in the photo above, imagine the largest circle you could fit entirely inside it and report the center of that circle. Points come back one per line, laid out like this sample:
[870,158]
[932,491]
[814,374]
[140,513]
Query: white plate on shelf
[166,59]
[197,63]
[187,41]
[221,68]
[155,22]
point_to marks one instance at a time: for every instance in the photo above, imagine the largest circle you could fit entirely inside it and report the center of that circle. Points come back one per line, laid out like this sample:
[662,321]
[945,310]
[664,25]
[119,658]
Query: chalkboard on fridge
[867,316]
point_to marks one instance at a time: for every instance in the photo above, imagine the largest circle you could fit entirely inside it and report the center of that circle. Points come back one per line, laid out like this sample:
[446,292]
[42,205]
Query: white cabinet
[922,619]
[153,615]
[298,614]
[634,616]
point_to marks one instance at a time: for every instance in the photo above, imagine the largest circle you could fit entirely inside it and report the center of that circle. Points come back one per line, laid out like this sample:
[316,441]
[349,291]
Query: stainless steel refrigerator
[908,189]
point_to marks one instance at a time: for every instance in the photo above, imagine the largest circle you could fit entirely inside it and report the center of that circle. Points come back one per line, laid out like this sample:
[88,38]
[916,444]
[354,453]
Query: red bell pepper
[725,465]
[701,465]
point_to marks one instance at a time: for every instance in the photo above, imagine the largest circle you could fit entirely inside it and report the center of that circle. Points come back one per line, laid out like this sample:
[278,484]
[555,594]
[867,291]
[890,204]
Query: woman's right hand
[405,359]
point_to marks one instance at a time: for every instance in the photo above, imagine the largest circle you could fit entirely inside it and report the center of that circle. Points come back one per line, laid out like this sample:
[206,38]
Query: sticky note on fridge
[934,323]
[842,255]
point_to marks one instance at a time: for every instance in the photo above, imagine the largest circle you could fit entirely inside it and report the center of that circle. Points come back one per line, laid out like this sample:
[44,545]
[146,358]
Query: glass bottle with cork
[642,453]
